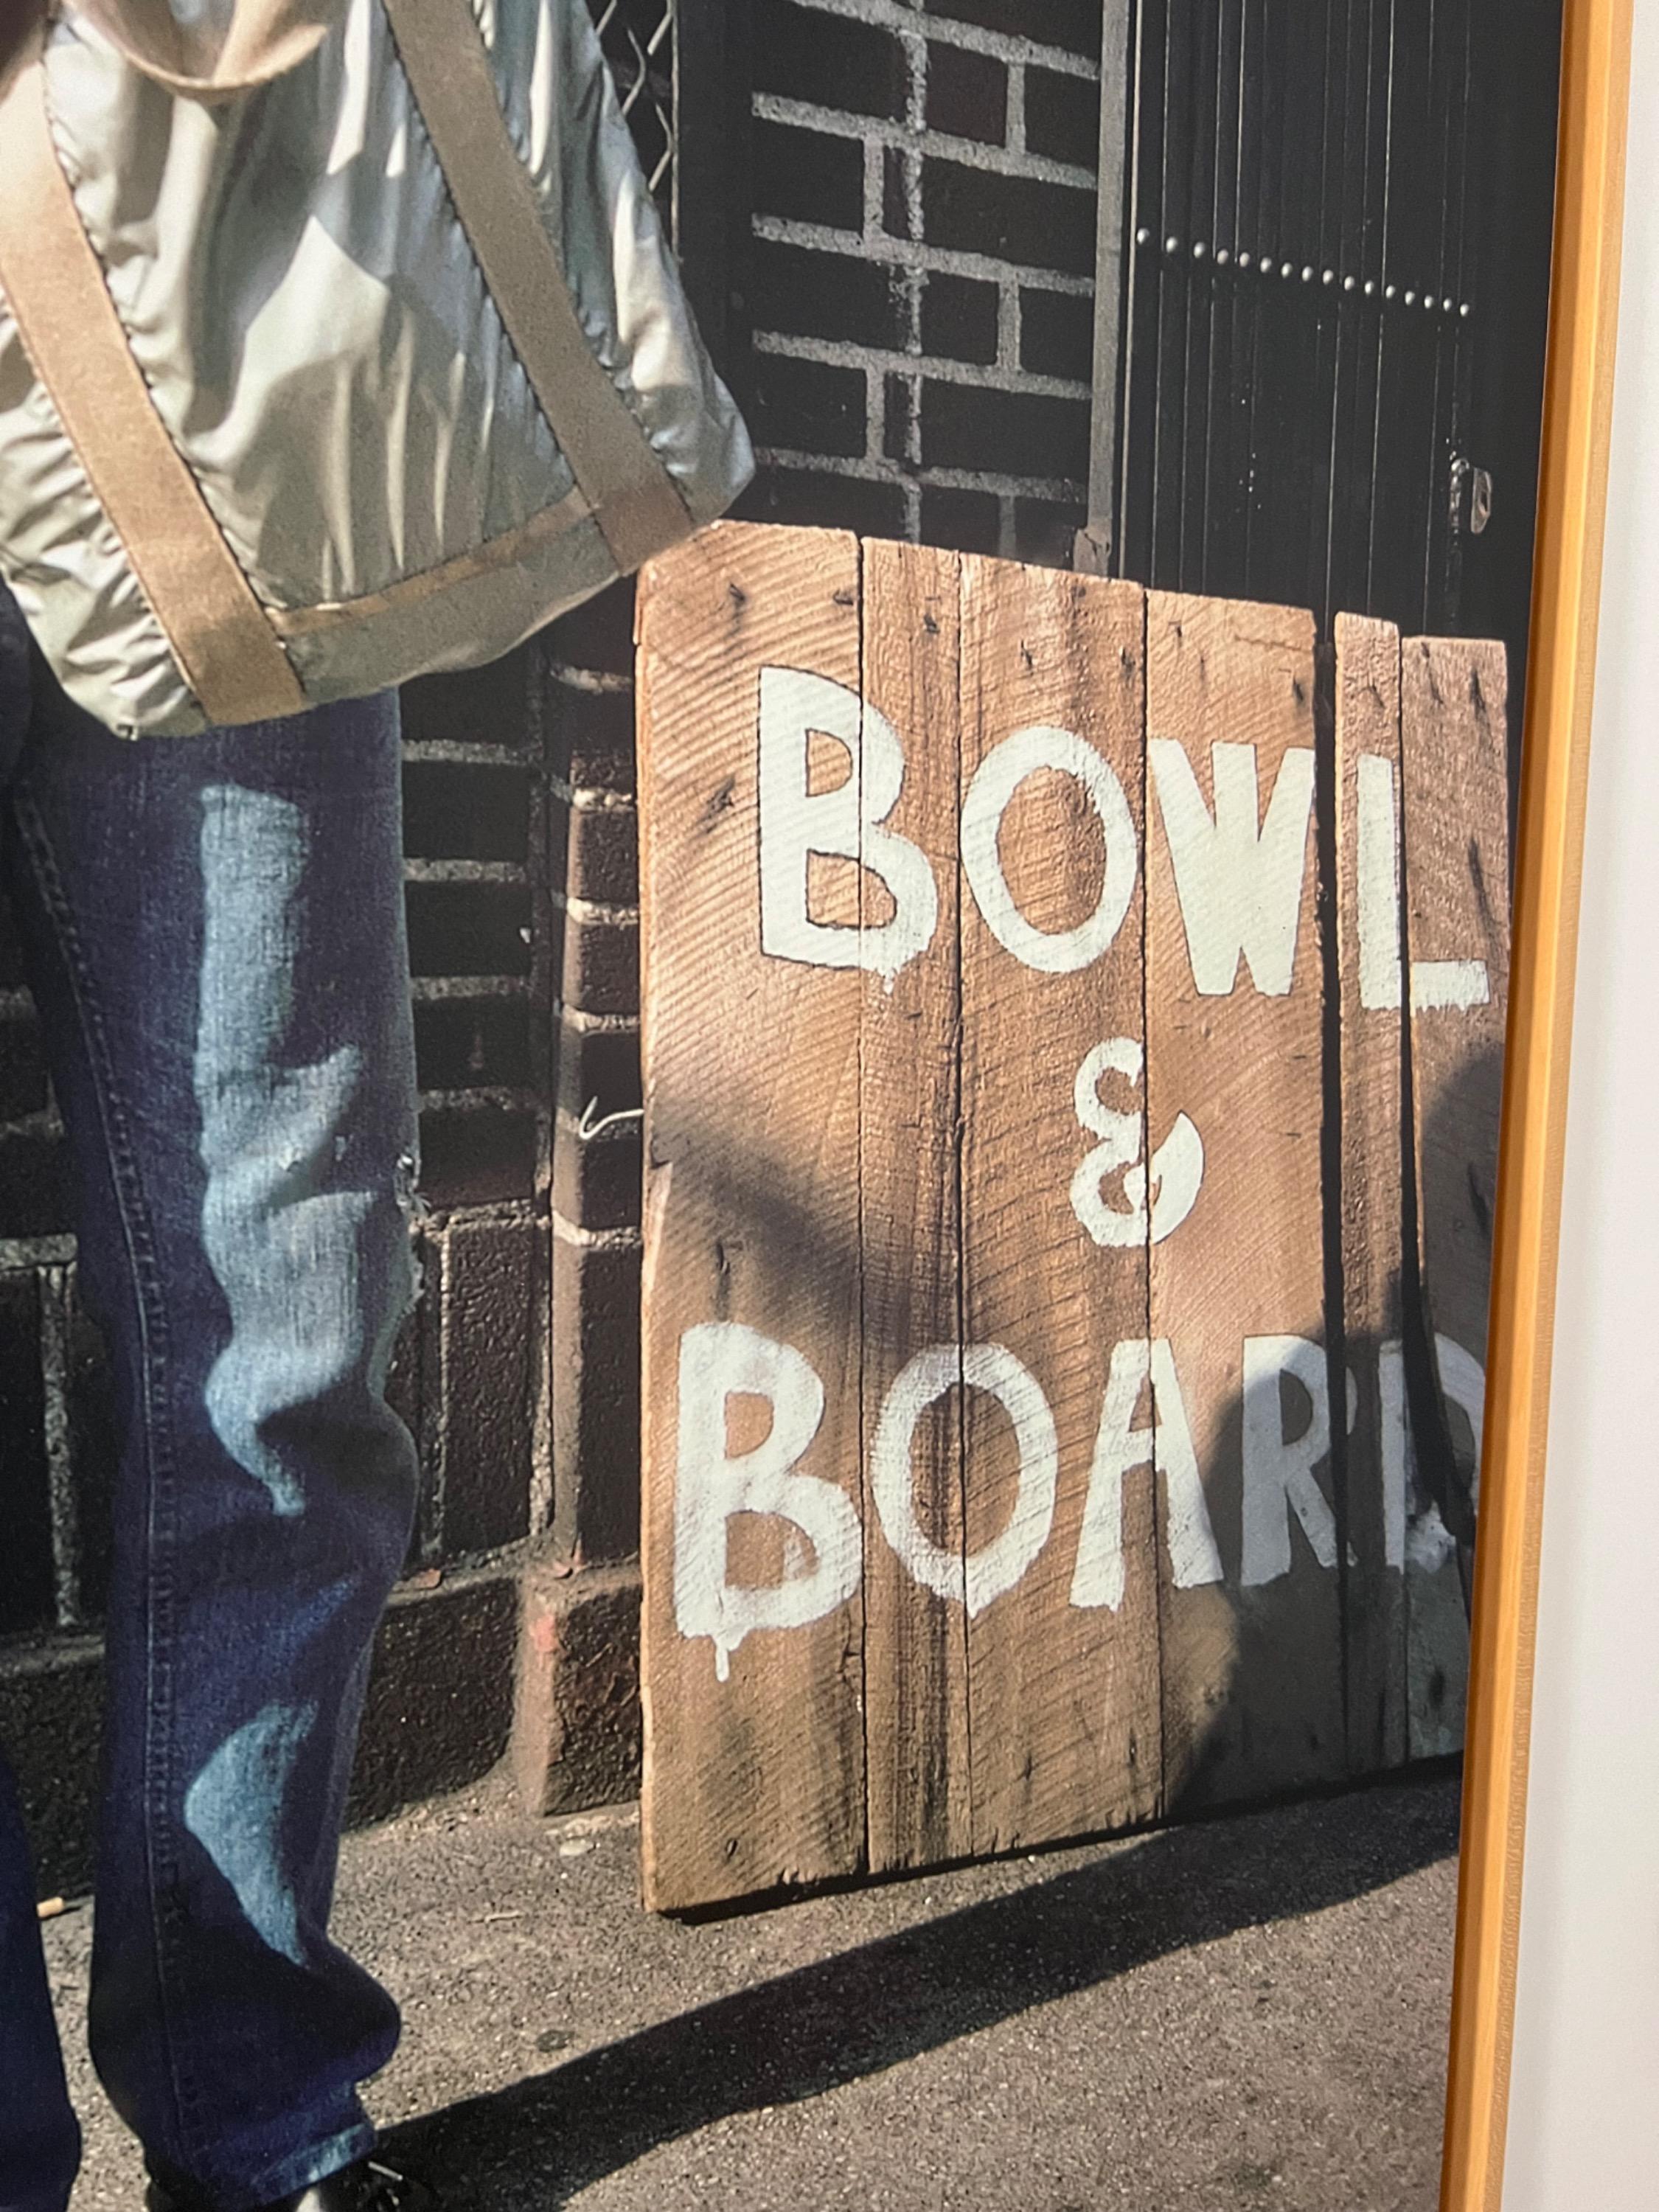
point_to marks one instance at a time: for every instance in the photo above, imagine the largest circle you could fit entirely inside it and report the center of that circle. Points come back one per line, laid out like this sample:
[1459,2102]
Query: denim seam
[160,1456]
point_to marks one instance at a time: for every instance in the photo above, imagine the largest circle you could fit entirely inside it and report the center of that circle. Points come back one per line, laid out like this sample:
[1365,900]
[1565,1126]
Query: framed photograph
[1556,2009]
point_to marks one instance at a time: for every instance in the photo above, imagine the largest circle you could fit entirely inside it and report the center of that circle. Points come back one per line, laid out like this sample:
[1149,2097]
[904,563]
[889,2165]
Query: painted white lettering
[986,1574]
[844,823]
[1239,885]
[1167,1446]
[721,1360]
[1454,984]
[1000,775]
[1178,1164]
[1412,1525]
[1379,884]
[1278,1470]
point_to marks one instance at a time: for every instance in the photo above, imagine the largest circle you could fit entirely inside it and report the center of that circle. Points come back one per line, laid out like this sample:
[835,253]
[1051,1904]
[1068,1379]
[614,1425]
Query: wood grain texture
[1252,1668]
[920,1807]
[1371,971]
[1063,1696]
[752,1073]
[1455,816]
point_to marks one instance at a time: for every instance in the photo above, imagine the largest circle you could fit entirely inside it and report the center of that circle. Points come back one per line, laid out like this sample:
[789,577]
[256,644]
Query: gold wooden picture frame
[1595,90]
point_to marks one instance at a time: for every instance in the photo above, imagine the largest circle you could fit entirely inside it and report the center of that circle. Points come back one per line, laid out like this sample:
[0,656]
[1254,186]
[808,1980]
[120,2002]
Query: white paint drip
[843,824]
[1000,775]
[719,1360]
[1239,885]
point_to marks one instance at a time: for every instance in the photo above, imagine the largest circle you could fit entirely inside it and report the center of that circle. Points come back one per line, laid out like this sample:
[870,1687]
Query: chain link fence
[638,37]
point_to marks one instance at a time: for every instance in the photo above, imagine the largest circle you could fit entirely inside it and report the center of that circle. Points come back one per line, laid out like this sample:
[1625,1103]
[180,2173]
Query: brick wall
[922,286]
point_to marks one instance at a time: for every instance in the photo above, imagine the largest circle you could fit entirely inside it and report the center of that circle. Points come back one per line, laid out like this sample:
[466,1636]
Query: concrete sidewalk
[1247,2013]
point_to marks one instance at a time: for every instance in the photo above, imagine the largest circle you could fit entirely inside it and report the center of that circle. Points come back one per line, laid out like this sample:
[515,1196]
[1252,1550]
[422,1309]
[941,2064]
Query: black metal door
[1336,241]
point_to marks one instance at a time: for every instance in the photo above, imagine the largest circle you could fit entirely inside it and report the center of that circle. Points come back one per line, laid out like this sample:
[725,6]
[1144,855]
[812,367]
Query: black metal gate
[1335,244]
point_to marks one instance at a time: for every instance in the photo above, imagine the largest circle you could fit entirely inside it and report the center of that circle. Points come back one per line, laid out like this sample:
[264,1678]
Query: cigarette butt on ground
[49,1907]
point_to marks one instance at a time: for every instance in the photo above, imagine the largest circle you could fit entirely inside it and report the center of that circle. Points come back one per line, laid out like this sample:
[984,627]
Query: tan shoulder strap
[214,52]
[633,497]
[220,637]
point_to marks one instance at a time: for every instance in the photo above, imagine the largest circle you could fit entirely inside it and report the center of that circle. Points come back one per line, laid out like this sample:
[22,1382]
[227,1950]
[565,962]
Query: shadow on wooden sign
[1074,1019]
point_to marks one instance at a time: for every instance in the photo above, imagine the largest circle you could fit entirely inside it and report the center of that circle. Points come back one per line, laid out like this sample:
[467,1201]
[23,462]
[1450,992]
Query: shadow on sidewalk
[862,2011]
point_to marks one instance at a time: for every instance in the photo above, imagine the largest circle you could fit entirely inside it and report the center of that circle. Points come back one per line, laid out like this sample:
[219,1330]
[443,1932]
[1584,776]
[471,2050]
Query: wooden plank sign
[1028,1447]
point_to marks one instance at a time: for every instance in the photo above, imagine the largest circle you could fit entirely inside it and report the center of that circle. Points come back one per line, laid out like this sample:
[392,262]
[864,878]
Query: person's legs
[215,928]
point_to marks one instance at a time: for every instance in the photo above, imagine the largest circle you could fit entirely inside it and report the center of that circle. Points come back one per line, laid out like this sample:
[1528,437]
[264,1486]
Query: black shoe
[370,2185]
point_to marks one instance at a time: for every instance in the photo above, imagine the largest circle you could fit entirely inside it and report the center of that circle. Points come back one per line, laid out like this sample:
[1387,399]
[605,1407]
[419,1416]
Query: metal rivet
[1172,245]
[1330,276]
[1199,249]
[1286,270]
[1370,287]
[1389,291]
[1143,237]
[1244,260]
[1348,283]
[1411,299]
[1428,301]
[1450,305]
[1307,276]
[1222,257]
[1465,309]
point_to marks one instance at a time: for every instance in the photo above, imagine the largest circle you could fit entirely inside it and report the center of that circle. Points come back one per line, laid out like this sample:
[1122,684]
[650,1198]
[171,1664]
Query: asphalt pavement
[1243,2013]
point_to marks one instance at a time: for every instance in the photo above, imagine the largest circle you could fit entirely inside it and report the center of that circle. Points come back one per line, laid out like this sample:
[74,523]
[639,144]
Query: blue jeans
[215,935]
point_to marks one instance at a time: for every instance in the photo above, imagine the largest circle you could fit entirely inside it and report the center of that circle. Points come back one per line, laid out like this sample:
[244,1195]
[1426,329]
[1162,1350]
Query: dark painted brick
[967,95]
[593,737]
[465,813]
[1072,25]
[482,706]
[463,1042]
[830,502]
[576,1722]
[807,294]
[1062,117]
[1022,219]
[22,1068]
[596,1185]
[598,1066]
[26,1592]
[959,318]
[468,929]
[599,633]
[1043,532]
[596,1400]
[1017,432]
[601,973]
[477,1156]
[808,406]
[897,412]
[439,1712]
[489,1274]
[810,176]
[602,854]
[895,194]
[804,53]
[968,521]
[1057,334]
[51,1707]
[34,1185]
